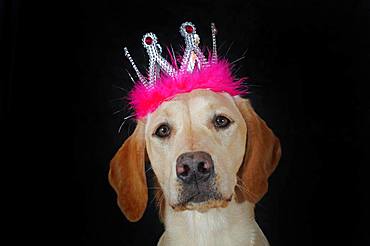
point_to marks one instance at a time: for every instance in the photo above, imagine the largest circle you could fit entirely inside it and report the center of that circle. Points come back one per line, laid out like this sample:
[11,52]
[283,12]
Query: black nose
[194,167]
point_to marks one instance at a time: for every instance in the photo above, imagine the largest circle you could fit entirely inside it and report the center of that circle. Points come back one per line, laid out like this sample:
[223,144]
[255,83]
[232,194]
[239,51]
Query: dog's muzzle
[196,174]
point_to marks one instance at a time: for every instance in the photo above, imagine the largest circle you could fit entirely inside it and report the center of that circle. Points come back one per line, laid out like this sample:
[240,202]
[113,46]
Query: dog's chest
[224,227]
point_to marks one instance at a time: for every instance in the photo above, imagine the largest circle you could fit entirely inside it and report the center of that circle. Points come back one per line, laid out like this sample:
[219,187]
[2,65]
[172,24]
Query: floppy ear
[127,175]
[261,156]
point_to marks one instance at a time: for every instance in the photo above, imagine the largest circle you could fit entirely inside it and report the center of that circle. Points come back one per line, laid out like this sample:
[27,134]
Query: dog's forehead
[209,99]
[197,100]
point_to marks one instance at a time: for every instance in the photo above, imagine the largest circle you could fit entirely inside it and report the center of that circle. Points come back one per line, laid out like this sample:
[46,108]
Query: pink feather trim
[217,77]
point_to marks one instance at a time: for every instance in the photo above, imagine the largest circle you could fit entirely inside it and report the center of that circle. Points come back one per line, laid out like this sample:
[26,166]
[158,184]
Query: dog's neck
[233,225]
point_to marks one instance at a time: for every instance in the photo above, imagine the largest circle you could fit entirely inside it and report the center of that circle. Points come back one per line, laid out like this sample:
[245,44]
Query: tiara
[165,79]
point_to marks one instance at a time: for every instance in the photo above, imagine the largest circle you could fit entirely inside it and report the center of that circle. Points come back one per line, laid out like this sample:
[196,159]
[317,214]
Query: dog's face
[205,148]
[196,144]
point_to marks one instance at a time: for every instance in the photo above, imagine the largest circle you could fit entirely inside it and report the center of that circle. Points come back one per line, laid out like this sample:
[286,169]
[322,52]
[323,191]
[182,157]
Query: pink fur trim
[217,77]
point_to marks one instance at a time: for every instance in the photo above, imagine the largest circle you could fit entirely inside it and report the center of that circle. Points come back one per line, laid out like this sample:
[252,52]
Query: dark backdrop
[307,63]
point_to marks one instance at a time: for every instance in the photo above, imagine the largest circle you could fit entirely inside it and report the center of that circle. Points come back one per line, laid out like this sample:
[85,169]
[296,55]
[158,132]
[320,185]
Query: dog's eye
[221,121]
[163,131]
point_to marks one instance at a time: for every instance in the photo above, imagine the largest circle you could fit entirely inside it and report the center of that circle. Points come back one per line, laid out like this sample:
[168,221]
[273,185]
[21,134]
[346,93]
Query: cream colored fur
[190,115]
[233,225]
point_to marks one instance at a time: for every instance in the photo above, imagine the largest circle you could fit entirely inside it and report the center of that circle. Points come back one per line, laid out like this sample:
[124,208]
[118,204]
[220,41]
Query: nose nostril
[184,172]
[194,167]
[203,167]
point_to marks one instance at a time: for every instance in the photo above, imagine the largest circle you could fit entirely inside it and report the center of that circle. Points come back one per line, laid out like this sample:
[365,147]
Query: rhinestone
[189,29]
[148,40]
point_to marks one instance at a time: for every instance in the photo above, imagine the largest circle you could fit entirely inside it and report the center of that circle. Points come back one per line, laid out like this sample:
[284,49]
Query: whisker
[118,111]
[154,198]
[129,116]
[120,88]
[227,52]
[242,57]
[129,129]
[237,70]
[254,85]
[157,198]
[124,121]
[240,186]
[243,186]
[241,181]
[245,52]
[116,99]
[221,45]
[150,168]
[239,59]
[132,79]
[120,127]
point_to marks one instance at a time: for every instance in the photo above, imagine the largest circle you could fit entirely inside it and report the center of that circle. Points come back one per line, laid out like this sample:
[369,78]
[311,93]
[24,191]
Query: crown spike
[214,45]
[142,79]
[156,62]
[192,55]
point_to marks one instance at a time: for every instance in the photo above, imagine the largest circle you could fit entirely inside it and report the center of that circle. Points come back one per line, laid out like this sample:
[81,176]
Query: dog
[212,156]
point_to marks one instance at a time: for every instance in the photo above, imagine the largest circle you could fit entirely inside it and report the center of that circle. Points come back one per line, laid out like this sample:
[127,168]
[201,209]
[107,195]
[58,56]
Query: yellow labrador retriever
[212,156]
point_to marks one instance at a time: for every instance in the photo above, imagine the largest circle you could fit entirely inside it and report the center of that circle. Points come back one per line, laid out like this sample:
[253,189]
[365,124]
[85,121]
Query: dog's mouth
[201,196]
[202,202]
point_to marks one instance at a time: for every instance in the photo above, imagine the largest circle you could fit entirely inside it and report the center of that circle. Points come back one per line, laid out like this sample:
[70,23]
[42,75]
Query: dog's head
[205,148]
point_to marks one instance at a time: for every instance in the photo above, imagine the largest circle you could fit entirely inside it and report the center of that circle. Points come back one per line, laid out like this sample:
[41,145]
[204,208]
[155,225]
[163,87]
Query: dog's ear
[127,175]
[262,155]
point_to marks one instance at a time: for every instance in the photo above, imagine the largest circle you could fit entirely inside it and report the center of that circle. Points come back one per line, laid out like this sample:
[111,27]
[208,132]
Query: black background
[307,63]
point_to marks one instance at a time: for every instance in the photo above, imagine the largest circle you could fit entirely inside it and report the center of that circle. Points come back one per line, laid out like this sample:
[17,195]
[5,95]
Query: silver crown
[192,57]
